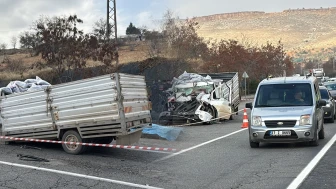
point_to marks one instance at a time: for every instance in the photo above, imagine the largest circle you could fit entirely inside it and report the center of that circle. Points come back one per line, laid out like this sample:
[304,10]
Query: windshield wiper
[287,105]
[264,105]
[294,105]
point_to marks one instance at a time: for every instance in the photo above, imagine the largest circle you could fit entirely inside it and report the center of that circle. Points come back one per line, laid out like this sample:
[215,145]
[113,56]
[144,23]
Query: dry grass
[139,53]
[10,76]
[27,59]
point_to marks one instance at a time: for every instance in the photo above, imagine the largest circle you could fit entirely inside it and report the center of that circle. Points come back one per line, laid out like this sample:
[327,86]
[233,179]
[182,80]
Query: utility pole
[111,26]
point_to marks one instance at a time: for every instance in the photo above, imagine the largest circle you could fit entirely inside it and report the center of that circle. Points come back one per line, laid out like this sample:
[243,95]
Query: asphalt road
[221,161]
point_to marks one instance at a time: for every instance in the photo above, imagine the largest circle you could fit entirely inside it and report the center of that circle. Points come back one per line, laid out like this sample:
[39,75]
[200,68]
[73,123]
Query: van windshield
[277,95]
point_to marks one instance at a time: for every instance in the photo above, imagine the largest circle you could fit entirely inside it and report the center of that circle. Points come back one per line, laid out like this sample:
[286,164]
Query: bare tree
[14,41]
[29,40]
[154,43]
[66,49]
[3,47]
[170,26]
[99,30]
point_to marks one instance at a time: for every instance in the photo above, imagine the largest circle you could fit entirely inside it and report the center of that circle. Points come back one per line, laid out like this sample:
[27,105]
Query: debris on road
[31,158]
[169,133]
[30,147]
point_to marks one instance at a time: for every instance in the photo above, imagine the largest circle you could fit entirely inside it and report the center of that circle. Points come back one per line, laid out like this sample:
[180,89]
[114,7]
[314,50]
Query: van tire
[321,133]
[73,136]
[331,120]
[231,116]
[211,110]
[315,141]
[254,144]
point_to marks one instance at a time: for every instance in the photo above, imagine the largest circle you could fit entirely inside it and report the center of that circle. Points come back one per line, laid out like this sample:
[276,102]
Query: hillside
[301,30]
[305,33]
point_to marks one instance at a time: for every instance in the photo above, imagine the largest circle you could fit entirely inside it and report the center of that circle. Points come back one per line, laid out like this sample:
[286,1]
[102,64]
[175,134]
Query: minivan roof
[279,80]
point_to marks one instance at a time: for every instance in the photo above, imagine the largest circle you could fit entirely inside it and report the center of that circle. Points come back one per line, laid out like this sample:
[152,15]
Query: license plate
[280,133]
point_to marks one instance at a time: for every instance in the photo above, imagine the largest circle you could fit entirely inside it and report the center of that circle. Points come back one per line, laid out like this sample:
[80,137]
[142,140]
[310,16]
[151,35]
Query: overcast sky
[17,15]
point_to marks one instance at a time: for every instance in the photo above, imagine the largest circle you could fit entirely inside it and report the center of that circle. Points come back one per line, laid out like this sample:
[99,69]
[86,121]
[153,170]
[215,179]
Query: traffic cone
[245,120]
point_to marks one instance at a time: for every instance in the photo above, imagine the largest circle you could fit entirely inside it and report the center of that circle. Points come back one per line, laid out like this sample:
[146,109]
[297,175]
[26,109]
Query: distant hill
[306,33]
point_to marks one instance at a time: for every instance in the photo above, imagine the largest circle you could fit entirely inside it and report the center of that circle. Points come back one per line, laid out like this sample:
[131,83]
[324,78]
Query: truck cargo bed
[91,106]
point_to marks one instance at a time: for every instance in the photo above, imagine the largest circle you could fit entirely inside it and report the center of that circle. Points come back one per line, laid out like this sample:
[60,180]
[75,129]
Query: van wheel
[321,133]
[315,141]
[212,112]
[254,144]
[231,116]
[73,136]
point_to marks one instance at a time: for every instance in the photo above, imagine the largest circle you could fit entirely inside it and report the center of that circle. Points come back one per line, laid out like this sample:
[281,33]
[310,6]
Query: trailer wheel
[73,136]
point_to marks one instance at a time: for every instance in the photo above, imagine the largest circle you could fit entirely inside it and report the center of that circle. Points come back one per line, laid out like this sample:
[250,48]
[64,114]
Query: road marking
[305,172]
[159,152]
[199,145]
[79,175]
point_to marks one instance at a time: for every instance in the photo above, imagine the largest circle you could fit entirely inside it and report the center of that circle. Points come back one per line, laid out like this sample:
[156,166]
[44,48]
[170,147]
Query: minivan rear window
[278,95]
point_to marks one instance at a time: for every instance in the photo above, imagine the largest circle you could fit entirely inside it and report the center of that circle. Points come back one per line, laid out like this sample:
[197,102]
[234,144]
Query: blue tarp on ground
[169,133]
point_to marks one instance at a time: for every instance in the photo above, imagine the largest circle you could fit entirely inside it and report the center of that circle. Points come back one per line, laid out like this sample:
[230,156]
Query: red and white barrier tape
[92,144]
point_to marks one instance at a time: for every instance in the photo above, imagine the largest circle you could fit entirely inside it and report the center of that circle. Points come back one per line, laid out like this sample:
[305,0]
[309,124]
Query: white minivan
[286,110]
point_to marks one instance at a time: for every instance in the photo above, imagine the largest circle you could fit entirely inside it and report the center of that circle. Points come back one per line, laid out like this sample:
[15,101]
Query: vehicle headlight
[256,121]
[328,104]
[305,120]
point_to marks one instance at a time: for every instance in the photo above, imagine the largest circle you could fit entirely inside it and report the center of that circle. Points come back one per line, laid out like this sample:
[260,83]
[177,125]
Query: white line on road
[79,175]
[150,151]
[305,172]
[199,145]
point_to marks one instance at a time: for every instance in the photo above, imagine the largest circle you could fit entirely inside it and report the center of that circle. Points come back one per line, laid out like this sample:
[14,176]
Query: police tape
[143,148]
[195,123]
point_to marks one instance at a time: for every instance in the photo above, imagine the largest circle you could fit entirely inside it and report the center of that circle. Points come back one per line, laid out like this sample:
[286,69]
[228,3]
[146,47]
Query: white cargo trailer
[99,109]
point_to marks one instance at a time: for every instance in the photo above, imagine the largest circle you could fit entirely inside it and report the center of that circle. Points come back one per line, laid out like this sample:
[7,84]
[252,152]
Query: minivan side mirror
[322,103]
[248,105]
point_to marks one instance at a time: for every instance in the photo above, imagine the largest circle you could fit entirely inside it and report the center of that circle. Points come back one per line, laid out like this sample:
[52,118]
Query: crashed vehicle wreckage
[202,97]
